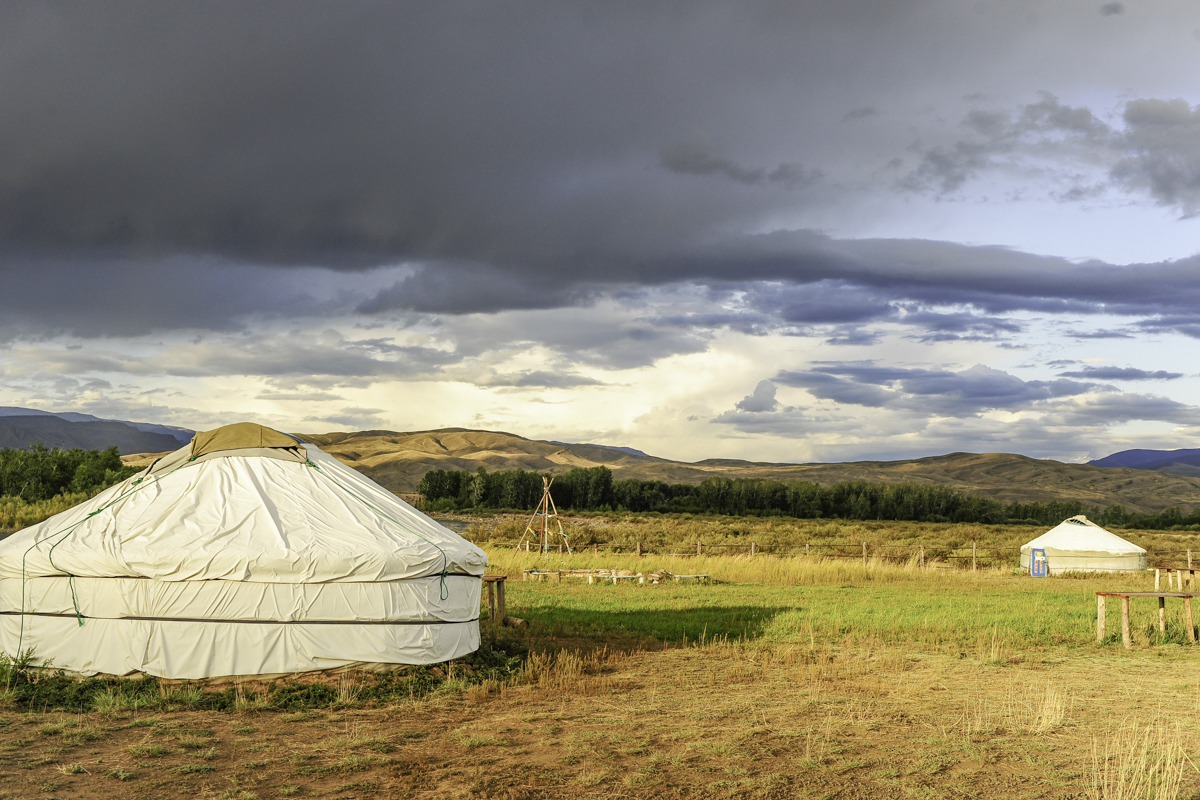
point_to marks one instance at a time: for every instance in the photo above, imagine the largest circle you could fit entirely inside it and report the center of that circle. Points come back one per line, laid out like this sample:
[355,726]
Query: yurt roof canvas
[246,552]
[1080,545]
[1080,533]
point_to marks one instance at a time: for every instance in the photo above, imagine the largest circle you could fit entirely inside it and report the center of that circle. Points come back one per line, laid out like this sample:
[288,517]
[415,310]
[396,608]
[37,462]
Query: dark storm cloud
[854,337]
[697,157]
[1121,374]
[511,157]
[964,393]
[1184,324]
[286,359]
[860,113]
[1113,409]
[1162,152]
[760,400]
[1155,151]
[126,298]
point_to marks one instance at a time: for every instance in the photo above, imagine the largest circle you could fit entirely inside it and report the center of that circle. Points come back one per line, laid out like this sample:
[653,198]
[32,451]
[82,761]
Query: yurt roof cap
[239,436]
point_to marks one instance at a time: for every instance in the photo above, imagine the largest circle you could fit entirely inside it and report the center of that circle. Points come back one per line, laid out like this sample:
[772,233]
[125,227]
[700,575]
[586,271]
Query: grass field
[785,678]
[678,533]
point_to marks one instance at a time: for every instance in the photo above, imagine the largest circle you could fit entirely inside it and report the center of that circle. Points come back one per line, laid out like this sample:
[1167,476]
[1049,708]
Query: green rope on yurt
[443,589]
[62,535]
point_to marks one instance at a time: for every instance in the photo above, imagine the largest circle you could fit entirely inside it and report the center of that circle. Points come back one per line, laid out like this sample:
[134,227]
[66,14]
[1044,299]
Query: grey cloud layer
[1155,151]
[891,412]
[968,392]
[526,157]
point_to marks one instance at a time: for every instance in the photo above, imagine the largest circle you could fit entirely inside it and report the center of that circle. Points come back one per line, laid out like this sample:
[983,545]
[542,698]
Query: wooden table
[495,587]
[1126,635]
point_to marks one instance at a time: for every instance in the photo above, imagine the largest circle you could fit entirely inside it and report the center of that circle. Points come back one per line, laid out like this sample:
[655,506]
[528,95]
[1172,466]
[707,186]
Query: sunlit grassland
[807,600]
[666,533]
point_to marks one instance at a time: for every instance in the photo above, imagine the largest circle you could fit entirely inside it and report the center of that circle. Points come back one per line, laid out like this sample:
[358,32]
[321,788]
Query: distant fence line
[864,551]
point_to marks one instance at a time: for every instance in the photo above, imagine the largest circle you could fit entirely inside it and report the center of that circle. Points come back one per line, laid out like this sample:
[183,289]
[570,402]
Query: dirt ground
[714,721]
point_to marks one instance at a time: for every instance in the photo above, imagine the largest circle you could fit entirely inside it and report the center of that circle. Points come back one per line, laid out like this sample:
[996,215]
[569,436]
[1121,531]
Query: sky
[783,231]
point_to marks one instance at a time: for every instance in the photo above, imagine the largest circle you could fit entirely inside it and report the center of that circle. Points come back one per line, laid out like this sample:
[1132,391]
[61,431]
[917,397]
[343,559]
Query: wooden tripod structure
[546,511]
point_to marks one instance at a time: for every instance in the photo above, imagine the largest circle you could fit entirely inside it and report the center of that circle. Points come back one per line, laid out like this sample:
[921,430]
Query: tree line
[595,490]
[39,473]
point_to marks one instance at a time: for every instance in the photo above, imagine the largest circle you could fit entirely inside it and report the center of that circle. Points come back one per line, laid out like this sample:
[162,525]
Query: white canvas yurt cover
[1080,545]
[243,553]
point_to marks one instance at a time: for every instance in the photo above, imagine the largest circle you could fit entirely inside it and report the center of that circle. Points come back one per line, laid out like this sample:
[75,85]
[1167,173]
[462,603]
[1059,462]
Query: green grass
[831,602]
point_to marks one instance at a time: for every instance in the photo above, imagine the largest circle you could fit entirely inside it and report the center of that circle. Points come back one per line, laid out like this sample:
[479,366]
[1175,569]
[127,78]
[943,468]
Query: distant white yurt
[244,553]
[1080,545]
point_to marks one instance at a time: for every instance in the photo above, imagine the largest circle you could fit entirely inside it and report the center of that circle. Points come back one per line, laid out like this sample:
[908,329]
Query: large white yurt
[246,552]
[1080,545]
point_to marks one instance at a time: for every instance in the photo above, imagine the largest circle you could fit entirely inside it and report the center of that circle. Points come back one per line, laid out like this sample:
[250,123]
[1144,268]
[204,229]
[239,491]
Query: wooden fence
[972,557]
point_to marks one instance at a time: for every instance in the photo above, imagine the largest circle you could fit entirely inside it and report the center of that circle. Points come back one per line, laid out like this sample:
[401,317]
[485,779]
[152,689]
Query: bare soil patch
[711,721]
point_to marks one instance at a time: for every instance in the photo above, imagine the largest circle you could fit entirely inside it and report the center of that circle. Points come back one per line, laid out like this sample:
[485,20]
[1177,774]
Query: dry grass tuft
[1021,709]
[1139,762]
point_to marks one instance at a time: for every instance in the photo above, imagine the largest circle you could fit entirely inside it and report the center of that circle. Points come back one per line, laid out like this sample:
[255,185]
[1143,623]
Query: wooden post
[491,602]
[1157,579]
[699,548]
[1162,615]
[1100,621]
[501,610]
[559,573]
[639,549]
[1187,619]
[972,556]
[864,555]
[922,555]
[806,549]
[753,548]
[1126,635]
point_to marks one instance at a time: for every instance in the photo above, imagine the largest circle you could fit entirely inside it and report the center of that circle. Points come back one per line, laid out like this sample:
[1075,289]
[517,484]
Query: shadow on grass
[665,626]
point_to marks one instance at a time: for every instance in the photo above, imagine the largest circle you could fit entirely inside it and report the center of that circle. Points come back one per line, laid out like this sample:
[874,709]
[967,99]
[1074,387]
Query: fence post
[972,556]
[639,549]
[864,554]
[699,549]
[1126,634]
[806,549]
[1189,559]
[753,548]
[922,556]
[1157,578]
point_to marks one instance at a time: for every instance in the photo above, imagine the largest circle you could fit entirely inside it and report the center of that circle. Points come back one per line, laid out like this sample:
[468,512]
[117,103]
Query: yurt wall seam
[443,590]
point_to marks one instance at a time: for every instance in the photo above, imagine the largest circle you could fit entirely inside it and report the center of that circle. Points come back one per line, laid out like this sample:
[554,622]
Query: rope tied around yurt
[443,589]
[62,535]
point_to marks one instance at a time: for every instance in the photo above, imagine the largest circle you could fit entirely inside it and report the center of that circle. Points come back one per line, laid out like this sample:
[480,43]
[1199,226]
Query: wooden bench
[1126,634]
[591,575]
[541,574]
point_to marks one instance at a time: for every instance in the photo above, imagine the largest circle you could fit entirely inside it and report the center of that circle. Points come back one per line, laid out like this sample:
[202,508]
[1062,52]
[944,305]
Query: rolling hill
[399,460]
